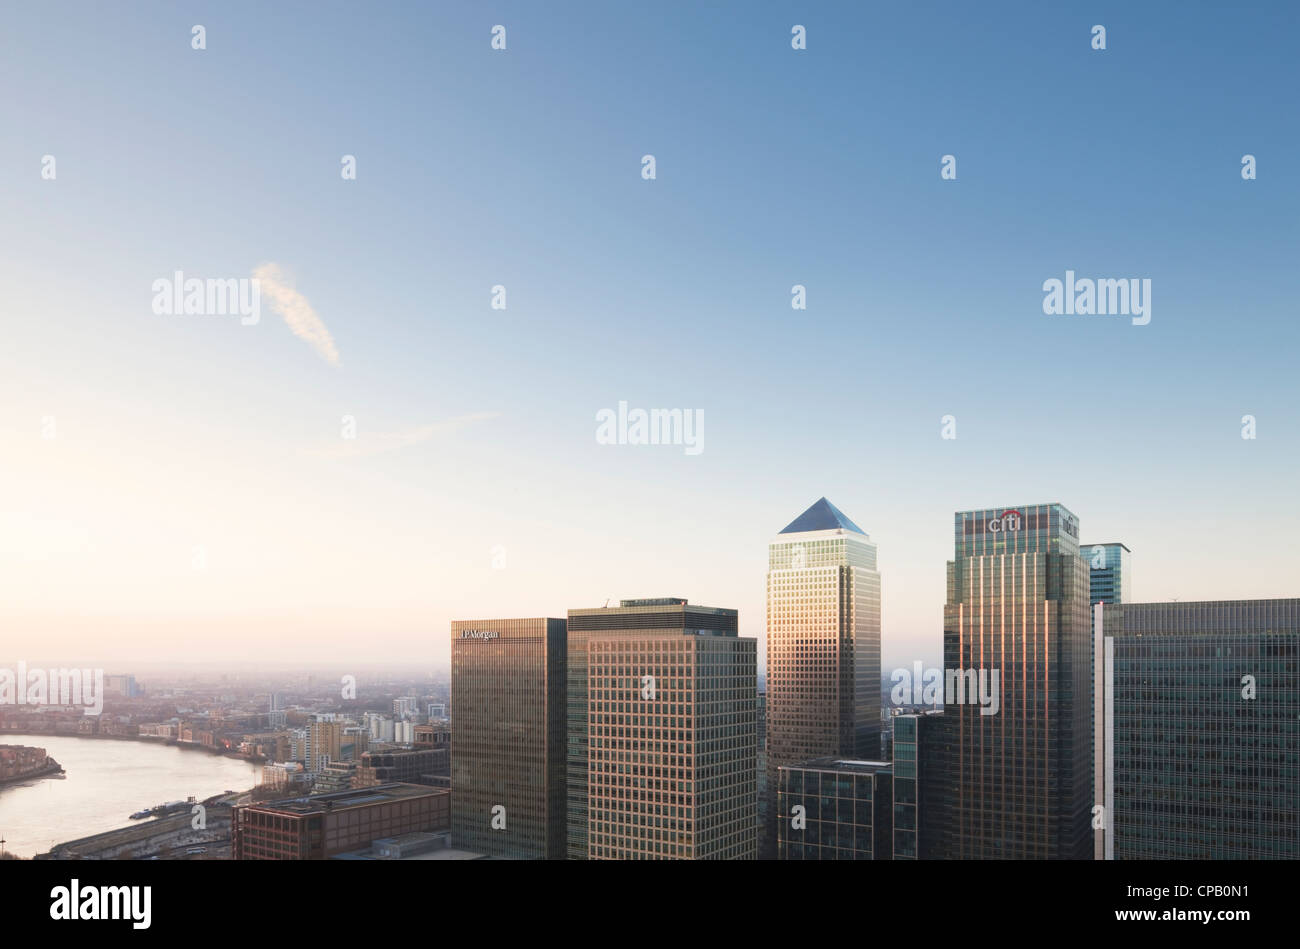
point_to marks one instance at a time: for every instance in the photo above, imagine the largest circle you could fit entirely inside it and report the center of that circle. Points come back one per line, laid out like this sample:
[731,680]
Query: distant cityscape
[1068,721]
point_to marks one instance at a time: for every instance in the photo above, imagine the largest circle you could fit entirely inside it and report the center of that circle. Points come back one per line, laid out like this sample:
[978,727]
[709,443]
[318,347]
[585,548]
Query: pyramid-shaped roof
[822,516]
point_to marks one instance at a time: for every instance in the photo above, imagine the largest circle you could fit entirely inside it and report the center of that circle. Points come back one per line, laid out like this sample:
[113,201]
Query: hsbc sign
[1005,522]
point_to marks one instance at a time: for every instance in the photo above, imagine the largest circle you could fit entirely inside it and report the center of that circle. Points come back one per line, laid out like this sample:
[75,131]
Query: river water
[106,782]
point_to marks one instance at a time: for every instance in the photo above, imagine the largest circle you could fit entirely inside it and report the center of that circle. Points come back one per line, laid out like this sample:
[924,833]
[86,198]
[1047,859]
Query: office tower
[317,827]
[672,738]
[507,732]
[1110,581]
[405,706]
[1016,623]
[1204,708]
[834,809]
[766,841]
[667,615]
[823,643]
[919,807]
[1110,573]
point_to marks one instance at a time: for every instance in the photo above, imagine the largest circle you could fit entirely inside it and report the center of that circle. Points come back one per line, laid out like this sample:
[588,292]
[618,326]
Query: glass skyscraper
[823,644]
[507,737]
[1205,713]
[1019,781]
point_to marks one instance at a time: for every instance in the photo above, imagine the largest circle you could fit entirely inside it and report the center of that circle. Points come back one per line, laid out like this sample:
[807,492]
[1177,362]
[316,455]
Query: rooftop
[822,516]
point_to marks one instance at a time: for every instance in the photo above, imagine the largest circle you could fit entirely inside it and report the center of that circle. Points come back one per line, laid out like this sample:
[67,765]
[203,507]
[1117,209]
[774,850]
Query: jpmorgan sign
[1005,522]
[479,634]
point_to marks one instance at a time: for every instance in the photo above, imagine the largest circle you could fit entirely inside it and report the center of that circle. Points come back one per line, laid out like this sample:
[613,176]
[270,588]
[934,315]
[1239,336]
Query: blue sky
[775,167]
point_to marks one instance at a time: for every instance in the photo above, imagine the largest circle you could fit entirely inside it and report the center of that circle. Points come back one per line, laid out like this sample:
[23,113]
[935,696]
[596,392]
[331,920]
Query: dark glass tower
[1205,712]
[1020,779]
[507,737]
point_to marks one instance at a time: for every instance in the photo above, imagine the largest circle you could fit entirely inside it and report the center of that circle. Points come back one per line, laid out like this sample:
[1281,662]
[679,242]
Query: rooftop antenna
[606,606]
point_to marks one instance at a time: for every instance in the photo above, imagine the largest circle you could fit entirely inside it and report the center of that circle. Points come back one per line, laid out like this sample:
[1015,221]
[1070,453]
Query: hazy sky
[197,498]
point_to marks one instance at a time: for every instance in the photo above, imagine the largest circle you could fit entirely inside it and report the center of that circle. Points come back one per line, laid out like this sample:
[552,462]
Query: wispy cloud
[298,313]
[374,443]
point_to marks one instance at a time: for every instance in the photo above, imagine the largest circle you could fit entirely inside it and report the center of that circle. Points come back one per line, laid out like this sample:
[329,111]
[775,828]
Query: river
[106,782]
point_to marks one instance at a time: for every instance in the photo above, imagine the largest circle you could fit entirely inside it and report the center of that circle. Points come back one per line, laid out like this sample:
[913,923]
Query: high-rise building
[637,618]
[823,643]
[671,727]
[1110,573]
[324,743]
[919,806]
[507,735]
[1203,710]
[1016,624]
[833,809]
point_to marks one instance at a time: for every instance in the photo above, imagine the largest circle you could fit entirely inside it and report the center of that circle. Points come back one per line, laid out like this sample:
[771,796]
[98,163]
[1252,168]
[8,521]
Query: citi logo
[1009,521]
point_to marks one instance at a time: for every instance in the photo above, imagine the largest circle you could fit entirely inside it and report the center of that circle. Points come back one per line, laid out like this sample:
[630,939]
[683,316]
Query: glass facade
[846,810]
[1019,781]
[1206,719]
[823,645]
[507,727]
[918,805]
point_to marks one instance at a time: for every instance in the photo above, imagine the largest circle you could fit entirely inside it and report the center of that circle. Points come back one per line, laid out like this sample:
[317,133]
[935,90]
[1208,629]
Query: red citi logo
[1009,521]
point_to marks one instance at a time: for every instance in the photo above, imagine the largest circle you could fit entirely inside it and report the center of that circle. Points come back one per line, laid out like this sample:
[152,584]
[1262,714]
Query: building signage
[479,634]
[1008,521]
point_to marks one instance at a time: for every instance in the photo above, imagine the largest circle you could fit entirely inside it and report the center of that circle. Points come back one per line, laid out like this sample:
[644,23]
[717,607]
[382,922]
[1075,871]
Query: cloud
[298,313]
[373,444]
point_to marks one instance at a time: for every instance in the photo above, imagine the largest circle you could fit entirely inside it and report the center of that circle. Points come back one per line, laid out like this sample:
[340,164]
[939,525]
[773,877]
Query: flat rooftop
[342,800]
[841,764]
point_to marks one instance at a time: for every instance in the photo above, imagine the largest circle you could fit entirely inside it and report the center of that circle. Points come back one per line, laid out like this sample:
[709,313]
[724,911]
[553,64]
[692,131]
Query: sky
[180,487]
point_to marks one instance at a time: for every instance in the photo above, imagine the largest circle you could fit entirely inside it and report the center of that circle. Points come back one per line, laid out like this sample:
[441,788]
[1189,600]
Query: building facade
[321,826]
[834,809]
[1204,709]
[1017,619]
[672,741]
[507,737]
[823,642]
[631,618]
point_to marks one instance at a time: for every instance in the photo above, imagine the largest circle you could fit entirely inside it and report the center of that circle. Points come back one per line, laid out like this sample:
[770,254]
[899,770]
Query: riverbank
[51,767]
[144,740]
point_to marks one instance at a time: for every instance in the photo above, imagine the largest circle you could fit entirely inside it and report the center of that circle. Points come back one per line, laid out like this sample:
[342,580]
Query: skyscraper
[507,737]
[631,618]
[1110,573]
[671,747]
[823,644]
[1204,711]
[1017,607]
